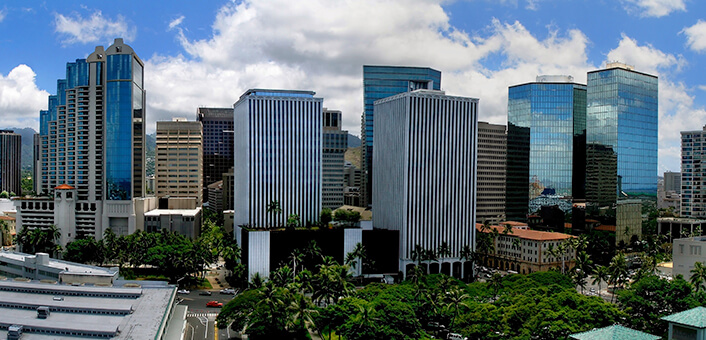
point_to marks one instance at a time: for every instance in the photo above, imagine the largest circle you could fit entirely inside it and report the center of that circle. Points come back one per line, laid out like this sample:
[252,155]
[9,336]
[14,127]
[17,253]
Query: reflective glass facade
[545,121]
[621,135]
[381,82]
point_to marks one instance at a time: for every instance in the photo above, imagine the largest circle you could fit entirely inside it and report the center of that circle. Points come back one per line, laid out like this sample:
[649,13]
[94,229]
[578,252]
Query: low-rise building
[680,227]
[687,325]
[186,222]
[527,251]
[686,252]
[42,267]
[615,332]
[40,310]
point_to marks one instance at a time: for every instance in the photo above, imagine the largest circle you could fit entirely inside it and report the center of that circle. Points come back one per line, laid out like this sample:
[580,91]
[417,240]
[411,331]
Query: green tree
[325,217]
[292,221]
[600,275]
[496,282]
[698,276]
[85,250]
[274,209]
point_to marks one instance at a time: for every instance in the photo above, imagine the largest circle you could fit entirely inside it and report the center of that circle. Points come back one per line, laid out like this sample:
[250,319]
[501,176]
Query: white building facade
[425,172]
[277,150]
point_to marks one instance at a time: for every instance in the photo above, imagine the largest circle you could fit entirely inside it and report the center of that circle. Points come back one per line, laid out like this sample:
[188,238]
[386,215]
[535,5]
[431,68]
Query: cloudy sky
[207,53]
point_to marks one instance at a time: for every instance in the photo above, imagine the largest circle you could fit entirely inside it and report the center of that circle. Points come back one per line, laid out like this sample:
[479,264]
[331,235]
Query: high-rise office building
[492,161]
[335,144]
[179,166]
[277,156]
[545,145]
[10,161]
[91,144]
[621,146]
[672,181]
[621,135]
[381,82]
[693,174]
[217,143]
[425,171]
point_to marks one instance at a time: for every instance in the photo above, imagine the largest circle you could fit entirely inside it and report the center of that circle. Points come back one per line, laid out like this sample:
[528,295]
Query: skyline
[208,54]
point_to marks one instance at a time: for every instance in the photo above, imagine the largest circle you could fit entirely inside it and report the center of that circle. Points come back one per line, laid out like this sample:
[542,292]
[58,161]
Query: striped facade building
[425,170]
[10,152]
[277,150]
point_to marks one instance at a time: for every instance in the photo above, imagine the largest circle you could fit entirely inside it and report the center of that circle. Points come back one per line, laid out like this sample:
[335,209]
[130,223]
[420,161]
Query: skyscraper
[92,141]
[179,165]
[217,143]
[425,168]
[381,82]
[335,144]
[621,146]
[10,161]
[621,135]
[545,145]
[672,181]
[491,170]
[693,175]
[277,157]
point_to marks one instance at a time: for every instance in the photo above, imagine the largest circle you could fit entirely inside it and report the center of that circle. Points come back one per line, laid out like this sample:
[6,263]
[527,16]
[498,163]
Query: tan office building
[179,166]
[492,160]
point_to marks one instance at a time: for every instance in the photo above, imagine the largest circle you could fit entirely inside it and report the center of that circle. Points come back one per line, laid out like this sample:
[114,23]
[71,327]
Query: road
[201,319]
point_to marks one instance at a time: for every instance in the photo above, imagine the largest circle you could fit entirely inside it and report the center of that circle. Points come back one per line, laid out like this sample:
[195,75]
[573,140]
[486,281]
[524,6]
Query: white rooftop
[166,212]
[70,267]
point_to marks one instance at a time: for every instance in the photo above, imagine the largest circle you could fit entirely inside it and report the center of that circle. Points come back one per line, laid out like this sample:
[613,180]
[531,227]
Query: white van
[455,336]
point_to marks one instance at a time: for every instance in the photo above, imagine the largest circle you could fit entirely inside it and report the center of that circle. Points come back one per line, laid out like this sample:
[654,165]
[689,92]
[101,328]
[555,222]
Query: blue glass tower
[545,148]
[621,135]
[381,82]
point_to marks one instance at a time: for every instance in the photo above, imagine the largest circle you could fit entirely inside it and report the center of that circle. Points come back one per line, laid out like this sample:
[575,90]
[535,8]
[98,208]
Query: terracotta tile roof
[64,187]
[527,234]
[604,227]
[514,223]
[568,225]
[7,218]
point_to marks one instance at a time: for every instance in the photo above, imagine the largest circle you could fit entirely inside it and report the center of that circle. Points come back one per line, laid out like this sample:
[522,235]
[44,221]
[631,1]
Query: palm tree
[467,255]
[618,270]
[274,208]
[698,276]
[296,256]
[581,269]
[496,282]
[302,311]
[358,253]
[455,298]
[417,254]
[444,251]
[600,275]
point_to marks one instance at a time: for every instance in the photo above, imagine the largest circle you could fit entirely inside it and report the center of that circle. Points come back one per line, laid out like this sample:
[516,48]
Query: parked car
[229,291]
[183,291]
[205,292]
[214,304]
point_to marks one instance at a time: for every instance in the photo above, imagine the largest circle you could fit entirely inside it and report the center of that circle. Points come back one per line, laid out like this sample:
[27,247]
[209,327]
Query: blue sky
[207,53]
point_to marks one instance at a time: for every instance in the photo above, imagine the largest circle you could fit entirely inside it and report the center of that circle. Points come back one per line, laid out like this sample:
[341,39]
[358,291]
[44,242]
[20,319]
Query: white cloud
[176,22]
[321,45]
[96,28]
[696,36]
[2,15]
[20,99]
[654,8]
[645,58]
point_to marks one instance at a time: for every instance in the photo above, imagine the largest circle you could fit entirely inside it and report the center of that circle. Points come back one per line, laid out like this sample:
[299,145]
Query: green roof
[695,317]
[615,332]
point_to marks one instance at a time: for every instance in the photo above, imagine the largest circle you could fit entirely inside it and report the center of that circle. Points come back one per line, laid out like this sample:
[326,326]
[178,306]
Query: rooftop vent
[14,332]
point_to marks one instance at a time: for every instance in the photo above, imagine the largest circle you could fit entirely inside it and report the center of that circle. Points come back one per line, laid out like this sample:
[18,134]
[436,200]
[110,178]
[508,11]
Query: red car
[214,304]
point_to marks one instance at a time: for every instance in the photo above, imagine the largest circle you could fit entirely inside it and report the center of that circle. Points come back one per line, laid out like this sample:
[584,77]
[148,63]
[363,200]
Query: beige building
[685,253]
[628,221]
[179,166]
[526,251]
[492,159]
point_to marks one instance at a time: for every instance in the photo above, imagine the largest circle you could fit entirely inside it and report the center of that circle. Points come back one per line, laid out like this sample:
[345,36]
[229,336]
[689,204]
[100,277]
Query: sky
[207,53]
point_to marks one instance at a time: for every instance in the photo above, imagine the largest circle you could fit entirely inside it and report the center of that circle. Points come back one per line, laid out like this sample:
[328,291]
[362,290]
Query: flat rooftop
[85,311]
[167,212]
[70,267]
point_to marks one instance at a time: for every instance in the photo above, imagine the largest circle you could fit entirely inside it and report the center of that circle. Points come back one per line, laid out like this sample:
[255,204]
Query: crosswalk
[206,314]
